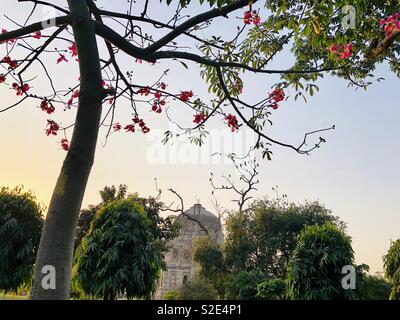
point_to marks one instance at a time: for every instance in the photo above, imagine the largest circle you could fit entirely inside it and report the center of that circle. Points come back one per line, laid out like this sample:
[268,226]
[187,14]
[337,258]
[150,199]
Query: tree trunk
[57,241]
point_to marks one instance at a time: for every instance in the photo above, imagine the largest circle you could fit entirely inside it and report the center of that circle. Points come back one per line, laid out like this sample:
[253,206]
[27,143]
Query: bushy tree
[209,256]
[120,254]
[373,288]
[316,265]
[21,224]
[163,227]
[392,268]
[197,289]
[265,236]
[272,289]
[243,285]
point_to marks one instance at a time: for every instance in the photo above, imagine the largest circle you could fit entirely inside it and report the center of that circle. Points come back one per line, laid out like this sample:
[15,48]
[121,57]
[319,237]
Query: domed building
[195,222]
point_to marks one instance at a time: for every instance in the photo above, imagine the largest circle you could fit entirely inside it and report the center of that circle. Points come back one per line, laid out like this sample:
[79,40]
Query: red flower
[391,24]
[117,127]
[232,122]
[37,35]
[21,89]
[200,117]
[2,78]
[12,63]
[73,50]
[65,144]
[61,59]
[47,107]
[130,128]
[186,95]
[251,17]
[163,86]
[158,95]
[342,51]
[141,124]
[53,128]
[144,91]
[277,95]
[247,17]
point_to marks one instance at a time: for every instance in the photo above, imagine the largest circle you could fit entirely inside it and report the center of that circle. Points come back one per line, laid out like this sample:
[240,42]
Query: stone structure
[180,266]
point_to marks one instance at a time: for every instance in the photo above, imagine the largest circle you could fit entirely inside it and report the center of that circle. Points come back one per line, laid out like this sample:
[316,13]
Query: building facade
[196,222]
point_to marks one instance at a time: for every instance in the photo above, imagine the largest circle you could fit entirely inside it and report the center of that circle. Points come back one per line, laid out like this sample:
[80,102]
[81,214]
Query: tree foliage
[209,256]
[272,289]
[373,288]
[163,227]
[120,254]
[392,268]
[21,224]
[265,236]
[316,265]
[197,289]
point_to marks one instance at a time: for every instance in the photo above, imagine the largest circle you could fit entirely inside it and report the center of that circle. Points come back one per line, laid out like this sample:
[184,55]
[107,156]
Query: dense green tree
[21,224]
[163,227]
[272,289]
[243,285]
[392,268]
[316,265]
[265,236]
[107,195]
[120,254]
[210,257]
[197,289]
[373,288]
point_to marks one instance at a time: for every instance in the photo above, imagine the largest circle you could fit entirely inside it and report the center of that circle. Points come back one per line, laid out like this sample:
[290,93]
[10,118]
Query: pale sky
[356,173]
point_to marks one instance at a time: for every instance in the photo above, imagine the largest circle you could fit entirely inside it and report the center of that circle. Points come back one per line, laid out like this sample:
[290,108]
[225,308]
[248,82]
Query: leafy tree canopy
[316,265]
[21,224]
[392,268]
[265,236]
[120,254]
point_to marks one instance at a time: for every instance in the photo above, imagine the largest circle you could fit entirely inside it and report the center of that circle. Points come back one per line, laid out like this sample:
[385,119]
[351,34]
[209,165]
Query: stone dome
[194,222]
[200,222]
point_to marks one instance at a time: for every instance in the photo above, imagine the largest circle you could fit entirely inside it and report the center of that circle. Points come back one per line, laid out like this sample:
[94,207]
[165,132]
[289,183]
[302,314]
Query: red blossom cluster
[11,63]
[342,51]
[117,126]
[65,144]
[144,91]
[47,107]
[53,128]
[62,58]
[252,16]
[200,117]
[21,89]
[275,97]
[232,122]
[132,127]
[186,95]
[74,96]
[37,35]
[391,24]
[73,50]
[2,78]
